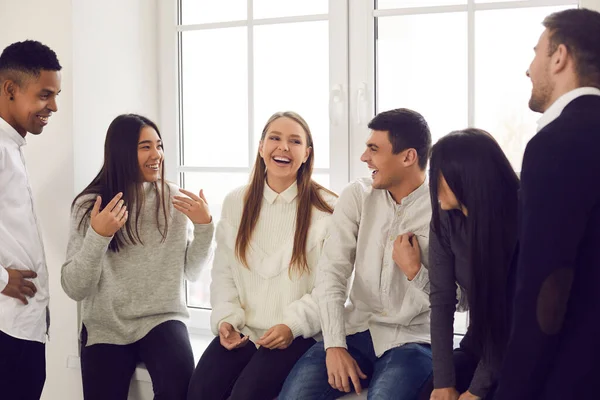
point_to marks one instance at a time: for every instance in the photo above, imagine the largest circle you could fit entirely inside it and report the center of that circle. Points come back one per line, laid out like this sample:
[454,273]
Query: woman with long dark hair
[269,240]
[472,241]
[134,240]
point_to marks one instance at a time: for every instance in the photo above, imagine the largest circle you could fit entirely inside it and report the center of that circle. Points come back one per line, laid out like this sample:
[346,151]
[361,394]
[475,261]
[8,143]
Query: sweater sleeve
[443,304]
[198,249]
[86,250]
[224,295]
[336,266]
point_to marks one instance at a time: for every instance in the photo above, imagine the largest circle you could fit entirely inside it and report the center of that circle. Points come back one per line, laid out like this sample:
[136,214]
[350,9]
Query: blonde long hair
[309,196]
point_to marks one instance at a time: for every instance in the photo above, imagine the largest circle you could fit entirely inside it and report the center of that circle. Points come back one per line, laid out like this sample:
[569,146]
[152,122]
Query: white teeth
[283,159]
[152,166]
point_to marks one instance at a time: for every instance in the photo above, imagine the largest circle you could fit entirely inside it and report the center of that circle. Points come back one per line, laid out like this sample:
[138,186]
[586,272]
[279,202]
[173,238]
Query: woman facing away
[134,240]
[269,239]
[472,242]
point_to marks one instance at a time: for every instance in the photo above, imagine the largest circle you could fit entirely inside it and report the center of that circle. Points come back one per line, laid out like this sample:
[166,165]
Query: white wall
[50,163]
[591,4]
[108,51]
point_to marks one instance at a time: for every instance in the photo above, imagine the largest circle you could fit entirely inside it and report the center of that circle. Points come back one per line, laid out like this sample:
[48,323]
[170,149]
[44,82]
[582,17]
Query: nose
[52,106]
[155,153]
[283,146]
[364,157]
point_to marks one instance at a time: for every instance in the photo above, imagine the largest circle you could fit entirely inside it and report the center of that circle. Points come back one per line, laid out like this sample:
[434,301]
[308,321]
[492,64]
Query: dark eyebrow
[50,91]
[372,146]
[149,142]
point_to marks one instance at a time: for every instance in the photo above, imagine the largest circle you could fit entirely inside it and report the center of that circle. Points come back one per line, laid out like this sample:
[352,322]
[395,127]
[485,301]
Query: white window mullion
[361,38]
[471,63]
[338,94]
[251,149]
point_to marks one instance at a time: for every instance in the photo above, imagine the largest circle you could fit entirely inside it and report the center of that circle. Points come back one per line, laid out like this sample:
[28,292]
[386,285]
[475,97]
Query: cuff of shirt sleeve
[334,341]
[3,278]
[421,279]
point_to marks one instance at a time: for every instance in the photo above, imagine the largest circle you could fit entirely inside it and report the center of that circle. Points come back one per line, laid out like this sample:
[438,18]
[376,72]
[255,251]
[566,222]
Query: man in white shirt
[379,232]
[29,83]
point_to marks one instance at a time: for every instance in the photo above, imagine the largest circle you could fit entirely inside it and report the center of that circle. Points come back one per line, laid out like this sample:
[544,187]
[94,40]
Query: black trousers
[465,364]
[22,368]
[245,373]
[107,369]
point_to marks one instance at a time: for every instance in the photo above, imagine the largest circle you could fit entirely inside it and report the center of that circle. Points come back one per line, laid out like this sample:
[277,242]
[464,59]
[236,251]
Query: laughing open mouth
[280,160]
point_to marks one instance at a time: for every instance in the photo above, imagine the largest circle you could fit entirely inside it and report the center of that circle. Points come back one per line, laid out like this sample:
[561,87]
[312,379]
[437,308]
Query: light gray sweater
[126,294]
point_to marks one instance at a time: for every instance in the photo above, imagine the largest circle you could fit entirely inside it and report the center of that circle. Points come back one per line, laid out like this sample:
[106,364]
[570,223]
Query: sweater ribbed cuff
[294,326]
[335,340]
[95,240]
[204,228]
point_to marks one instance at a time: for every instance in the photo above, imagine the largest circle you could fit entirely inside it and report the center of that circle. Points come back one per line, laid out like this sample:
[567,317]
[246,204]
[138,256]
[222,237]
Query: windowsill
[199,338]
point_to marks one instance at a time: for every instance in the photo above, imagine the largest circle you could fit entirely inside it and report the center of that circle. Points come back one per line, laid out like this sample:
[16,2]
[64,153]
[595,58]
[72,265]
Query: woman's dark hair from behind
[121,173]
[484,182]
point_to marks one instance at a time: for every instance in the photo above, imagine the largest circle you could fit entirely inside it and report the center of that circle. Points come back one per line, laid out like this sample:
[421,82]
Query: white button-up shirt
[20,242]
[361,236]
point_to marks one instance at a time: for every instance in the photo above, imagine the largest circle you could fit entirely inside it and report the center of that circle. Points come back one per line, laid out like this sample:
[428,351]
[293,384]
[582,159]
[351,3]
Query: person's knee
[307,377]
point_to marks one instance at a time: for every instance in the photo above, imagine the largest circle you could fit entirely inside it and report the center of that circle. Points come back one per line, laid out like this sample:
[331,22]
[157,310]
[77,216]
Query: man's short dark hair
[579,30]
[406,129]
[27,58]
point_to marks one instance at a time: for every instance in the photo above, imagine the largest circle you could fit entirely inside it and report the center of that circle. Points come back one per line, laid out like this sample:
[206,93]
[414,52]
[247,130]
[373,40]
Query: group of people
[313,295]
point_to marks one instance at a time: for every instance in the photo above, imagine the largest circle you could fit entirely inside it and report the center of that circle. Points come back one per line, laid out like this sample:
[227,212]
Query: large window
[227,66]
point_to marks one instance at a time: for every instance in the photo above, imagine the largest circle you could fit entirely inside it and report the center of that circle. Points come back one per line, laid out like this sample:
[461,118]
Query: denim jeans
[398,374]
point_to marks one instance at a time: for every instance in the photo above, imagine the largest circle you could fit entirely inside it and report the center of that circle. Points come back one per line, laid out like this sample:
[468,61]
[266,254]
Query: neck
[5,115]
[279,185]
[562,88]
[407,186]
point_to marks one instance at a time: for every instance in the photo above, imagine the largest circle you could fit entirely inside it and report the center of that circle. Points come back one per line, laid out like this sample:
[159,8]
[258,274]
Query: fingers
[183,201]
[30,286]
[267,333]
[345,383]
[27,291]
[355,380]
[189,194]
[122,213]
[22,298]
[268,341]
[202,196]
[113,202]
[117,209]
[415,243]
[224,330]
[28,274]
[361,374]
[97,205]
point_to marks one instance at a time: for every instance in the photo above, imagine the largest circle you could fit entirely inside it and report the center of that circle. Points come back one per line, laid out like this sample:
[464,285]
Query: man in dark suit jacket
[554,348]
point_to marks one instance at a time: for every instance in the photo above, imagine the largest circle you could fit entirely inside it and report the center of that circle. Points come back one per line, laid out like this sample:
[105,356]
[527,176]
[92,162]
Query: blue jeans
[398,374]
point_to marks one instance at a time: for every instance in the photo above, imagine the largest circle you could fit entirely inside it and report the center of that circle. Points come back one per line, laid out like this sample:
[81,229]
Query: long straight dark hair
[483,181]
[309,196]
[121,173]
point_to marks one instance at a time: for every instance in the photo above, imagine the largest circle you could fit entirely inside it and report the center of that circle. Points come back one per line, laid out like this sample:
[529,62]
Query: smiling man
[29,83]
[379,231]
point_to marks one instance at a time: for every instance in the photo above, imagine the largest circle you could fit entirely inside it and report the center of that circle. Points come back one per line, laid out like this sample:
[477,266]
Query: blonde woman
[269,239]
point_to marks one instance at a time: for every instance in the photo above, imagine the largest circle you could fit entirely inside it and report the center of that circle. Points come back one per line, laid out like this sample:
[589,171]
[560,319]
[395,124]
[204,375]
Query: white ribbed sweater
[256,298]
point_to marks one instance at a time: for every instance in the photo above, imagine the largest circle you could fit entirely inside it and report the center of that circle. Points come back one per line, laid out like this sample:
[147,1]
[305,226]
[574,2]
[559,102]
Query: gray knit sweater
[126,294]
